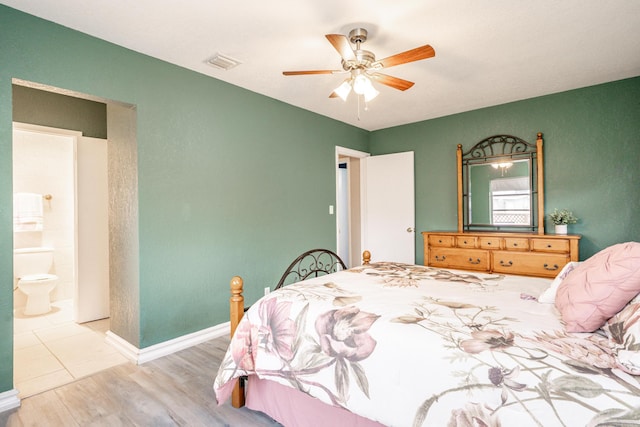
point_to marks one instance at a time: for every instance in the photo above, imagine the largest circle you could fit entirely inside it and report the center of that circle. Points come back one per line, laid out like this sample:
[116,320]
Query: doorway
[378,211]
[38,103]
[68,173]
[348,205]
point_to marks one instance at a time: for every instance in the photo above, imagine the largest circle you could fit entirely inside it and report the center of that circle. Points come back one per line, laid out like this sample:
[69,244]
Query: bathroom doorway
[69,173]
[40,104]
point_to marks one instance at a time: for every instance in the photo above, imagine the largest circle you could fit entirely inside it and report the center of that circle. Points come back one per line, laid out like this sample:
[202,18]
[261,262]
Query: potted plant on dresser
[561,218]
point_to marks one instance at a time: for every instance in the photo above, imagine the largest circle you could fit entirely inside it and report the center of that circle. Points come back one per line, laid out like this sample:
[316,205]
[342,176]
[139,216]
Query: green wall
[232,182]
[591,149]
[229,181]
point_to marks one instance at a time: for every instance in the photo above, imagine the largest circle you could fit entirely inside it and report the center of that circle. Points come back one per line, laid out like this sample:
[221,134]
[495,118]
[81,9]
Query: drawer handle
[439,241]
[477,261]
[515,245]
[555,267]
[506,264]
[464,241]
[488,243]
[440,258]
[549,246]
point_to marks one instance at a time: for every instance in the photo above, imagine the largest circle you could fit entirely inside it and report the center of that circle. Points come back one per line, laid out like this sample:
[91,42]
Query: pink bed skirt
[292,408]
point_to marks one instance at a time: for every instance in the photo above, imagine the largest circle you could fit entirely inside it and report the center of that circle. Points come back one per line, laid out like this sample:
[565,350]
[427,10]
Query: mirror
[500,186]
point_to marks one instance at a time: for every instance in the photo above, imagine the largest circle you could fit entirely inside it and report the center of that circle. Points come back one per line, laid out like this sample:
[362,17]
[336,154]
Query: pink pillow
[599,287]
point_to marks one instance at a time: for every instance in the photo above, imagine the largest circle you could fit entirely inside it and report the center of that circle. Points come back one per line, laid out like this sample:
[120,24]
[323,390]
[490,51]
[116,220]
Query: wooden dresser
[527,254]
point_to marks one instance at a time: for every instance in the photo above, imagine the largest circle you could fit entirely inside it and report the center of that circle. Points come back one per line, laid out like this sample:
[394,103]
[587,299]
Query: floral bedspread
[408,345]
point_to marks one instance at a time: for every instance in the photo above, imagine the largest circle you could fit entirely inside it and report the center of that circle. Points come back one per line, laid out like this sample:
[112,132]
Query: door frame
[355,248]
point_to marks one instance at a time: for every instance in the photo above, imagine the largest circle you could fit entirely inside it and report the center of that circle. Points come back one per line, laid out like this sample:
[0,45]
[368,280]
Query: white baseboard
[9,400]
[140,356]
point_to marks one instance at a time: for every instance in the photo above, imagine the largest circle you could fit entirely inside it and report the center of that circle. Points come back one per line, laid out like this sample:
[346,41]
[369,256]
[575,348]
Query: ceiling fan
[363,68]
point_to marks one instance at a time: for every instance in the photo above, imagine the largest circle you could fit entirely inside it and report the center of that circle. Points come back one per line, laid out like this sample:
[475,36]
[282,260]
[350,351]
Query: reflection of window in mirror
[501,195]
[510,201]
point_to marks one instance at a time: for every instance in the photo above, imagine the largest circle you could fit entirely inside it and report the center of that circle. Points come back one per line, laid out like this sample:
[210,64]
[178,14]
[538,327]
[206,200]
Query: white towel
[27,212]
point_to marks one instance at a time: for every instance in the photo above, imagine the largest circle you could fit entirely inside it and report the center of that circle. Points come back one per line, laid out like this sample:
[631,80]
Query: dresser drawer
[442,241]
[529,263]
[516,244]
[466,259]
[466,242]
[550,245]
[527,254]
[489,242]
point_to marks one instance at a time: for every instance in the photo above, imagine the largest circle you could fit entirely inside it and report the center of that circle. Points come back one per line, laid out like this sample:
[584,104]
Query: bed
[406,345]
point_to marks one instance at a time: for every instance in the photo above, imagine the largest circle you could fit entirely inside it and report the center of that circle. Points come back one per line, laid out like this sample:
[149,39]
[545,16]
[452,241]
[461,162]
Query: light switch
[330,209]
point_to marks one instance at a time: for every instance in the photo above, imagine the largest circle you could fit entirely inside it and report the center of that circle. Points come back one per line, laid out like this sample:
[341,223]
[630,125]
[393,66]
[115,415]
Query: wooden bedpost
[236,305]
[366,257]
[460,188]
[540,182]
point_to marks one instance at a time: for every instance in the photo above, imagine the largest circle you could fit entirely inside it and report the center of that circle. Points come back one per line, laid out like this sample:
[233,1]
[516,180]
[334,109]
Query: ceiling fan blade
[417,54]
[391,81]
[301,73]
[333,95]
[342,45]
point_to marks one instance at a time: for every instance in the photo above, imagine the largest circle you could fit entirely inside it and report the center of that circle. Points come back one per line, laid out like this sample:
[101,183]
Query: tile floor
[51,350]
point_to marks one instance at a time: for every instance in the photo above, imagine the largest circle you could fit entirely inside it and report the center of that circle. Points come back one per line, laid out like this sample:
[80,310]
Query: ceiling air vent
[222,62]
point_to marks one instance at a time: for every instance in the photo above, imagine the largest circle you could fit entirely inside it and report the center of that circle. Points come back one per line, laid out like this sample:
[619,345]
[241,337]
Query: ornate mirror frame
[492,150]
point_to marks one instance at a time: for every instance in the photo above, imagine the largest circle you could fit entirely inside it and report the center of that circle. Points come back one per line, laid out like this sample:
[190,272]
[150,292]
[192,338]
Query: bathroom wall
[45,164]
[45,108]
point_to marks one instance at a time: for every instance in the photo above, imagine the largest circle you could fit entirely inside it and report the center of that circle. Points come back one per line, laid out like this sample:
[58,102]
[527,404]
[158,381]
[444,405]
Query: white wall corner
[140,356]
[9,400]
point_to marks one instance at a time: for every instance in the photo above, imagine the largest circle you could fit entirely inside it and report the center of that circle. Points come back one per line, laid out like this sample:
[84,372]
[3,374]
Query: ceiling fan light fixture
[343,90]
[364,68]
[370,93]
[502,165]
[361,83]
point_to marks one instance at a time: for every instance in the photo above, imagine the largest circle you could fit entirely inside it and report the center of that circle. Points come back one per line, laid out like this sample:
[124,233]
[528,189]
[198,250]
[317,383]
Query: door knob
[410,230]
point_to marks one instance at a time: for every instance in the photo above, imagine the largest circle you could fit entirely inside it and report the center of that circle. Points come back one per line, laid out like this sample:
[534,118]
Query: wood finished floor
[175,390]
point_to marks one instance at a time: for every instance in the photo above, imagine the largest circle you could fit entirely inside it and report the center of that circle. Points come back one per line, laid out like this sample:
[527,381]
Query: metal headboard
[313,263]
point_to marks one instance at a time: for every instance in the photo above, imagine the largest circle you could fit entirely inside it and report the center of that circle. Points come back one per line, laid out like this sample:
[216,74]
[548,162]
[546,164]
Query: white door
[92,290]
[388,213]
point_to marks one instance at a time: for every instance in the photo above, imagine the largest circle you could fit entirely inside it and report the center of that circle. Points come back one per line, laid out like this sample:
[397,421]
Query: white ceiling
[488,52]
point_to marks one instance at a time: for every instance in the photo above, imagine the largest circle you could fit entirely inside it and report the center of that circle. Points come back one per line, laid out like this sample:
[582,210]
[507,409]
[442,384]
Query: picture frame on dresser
[500,183]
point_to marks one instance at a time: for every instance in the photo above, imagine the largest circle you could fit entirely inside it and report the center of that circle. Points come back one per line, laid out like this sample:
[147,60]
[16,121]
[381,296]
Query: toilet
[31,267]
